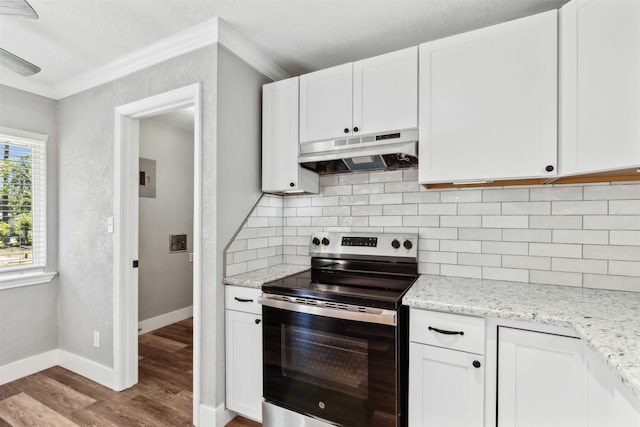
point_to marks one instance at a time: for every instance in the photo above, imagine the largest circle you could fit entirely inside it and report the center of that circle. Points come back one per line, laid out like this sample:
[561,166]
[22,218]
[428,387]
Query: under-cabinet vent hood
[388,151]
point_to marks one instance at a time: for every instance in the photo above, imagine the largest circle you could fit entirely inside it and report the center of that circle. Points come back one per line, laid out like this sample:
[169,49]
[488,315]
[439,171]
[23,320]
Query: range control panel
[369,244]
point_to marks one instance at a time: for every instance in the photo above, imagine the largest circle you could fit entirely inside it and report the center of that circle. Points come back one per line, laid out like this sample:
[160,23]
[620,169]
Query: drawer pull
[442,331]
[242,299]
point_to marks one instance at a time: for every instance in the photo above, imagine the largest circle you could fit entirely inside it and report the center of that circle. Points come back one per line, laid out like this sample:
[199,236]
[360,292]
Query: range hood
[384,151]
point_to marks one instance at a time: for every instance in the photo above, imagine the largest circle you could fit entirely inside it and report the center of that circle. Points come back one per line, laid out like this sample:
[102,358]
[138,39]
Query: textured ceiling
[73,37]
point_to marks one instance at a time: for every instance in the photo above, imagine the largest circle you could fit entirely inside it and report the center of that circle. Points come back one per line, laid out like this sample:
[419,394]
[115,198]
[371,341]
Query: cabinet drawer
[242,299]
[472,328]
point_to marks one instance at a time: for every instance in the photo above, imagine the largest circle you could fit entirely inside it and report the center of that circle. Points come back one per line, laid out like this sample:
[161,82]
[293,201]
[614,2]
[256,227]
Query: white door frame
[125,277]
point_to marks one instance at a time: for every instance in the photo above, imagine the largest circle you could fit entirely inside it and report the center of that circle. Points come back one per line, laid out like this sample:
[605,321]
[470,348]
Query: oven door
[339,370]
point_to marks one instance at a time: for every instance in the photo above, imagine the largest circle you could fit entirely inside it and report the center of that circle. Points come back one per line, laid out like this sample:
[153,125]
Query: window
[23,237]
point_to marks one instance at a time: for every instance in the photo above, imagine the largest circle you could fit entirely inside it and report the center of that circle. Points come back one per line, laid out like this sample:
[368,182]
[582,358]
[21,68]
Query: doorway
[126,230]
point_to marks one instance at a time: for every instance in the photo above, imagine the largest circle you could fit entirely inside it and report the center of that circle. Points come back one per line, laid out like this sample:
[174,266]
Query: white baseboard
[214,417]
[87,368]
[164,320]
[27,366]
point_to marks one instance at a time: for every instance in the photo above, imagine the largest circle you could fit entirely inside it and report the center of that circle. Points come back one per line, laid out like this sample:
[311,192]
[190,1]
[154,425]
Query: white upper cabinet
[369,96]
[600,86]
[488,103]
[280,169]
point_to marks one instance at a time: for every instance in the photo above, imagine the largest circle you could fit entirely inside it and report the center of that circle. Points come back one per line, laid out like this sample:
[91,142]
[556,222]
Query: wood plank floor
[57,397]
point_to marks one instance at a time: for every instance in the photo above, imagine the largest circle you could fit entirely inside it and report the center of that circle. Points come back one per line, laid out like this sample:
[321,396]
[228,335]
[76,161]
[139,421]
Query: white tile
[461,221]
[289,231]
[619,253]
[593,237]
[461,271]
[257,221]
[498,221]
[326,180]
[618,283]
[526,262]
[421,221]
[366,210]
[266,211]
[258,243]
[275,260]
[242,256]
[296,240]
[275,222]
[428,268]
[526,235]
[275,241]
[267,252]
[368,189]
[360,199]
[507,248]
[297,202]
[624,268]
[401,187]
[257,264]
[612,192]
[387,176]
[479,209]
[385,221]
[410,174]
[595,266]
[575,207]
[325,200]
[276,201]
[428,245]
[400,230]
[353,221]
[526,208]
[247,233]
[461,196]
[506,195]
[438,233]
[353,178]
[306,231]
[338,229]
[385,199]
[406,209]
[487,260]
[324,221]
[336,211]
[562,222]
[480,234]
[510,274]
[311,211]
[556,278]
[625,237]
[555,250]
[238,245]
[460,246]
[302,250]
[228,259]
[289,250]
[338,190]
[234,269]
[624,207]
[301,221]
[266,232]
[615,222]
[367,229]
[421,197]
[290,212]
[555,193]
[438,209]
[438,257]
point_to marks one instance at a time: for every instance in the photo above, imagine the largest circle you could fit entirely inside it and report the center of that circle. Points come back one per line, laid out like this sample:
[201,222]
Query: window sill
[18,280]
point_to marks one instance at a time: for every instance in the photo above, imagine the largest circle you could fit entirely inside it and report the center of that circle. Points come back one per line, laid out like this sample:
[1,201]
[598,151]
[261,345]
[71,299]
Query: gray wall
[239,167]
[165,279]
[28,322]
[86,182]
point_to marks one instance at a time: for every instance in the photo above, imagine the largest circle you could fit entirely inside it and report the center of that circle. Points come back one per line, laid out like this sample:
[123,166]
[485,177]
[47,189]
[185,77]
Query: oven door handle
[384,317]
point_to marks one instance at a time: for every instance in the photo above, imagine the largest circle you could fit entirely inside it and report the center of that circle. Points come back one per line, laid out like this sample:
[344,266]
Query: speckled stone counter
[255,279]
[608,321]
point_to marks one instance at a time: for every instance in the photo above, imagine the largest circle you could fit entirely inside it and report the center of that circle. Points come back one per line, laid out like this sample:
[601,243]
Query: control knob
[325,241]
[315,241]
[407,244]
[395,244]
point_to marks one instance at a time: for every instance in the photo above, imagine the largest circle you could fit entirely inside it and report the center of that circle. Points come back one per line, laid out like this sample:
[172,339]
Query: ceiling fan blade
[17,64]
[17,7]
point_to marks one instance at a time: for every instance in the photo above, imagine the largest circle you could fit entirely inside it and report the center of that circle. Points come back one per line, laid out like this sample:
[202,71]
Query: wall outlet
[96,339]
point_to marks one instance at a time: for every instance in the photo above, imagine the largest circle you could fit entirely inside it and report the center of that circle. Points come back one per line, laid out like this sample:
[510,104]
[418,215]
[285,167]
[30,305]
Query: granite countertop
[608,321]
[255,279]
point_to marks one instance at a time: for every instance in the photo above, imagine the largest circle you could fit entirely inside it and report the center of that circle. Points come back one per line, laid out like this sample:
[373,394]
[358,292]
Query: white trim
[27,366]
[163,320]
[26,279]
[125,310]
[214,417]
[87,368]
[244,49]
[207,33]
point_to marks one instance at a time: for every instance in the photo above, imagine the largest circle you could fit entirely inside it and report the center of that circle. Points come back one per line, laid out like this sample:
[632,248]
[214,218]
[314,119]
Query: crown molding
[207,33]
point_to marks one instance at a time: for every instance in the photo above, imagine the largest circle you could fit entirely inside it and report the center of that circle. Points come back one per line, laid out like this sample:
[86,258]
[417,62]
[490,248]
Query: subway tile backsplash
[577,235]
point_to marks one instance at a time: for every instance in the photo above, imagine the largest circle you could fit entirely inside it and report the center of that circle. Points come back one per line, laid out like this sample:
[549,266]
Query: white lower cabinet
[541,379]
[445,387]
[243,352]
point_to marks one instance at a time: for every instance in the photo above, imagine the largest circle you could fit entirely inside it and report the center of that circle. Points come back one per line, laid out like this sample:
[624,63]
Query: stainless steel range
[335,337]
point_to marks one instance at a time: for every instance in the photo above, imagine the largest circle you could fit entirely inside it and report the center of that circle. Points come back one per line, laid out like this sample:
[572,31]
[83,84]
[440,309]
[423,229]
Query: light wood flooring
[58,397]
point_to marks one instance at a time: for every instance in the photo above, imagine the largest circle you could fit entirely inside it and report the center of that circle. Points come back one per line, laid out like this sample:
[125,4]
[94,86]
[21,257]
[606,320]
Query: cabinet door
[244,363]
[541,379]
[600,87]
[445,389]
[326,104]
[488,103]
[385,92]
